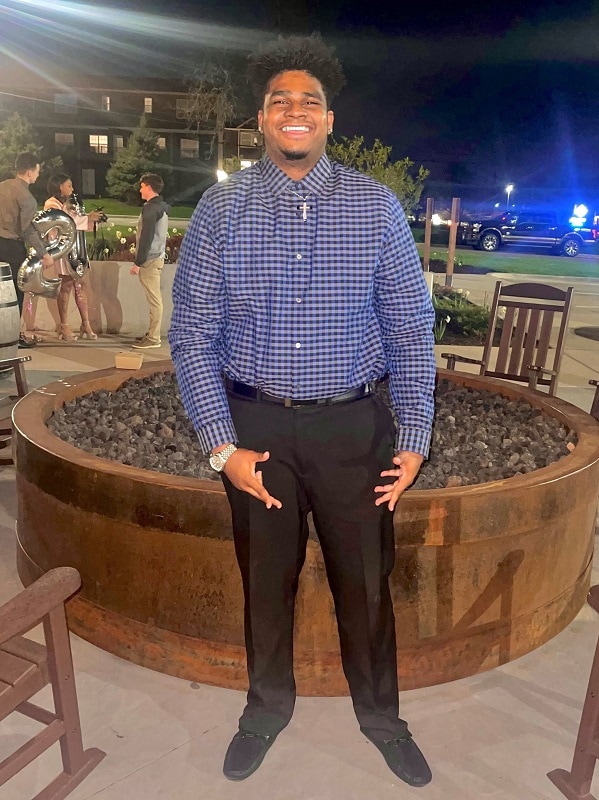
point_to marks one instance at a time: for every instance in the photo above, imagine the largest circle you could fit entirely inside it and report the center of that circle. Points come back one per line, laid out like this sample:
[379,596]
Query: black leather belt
[257,395]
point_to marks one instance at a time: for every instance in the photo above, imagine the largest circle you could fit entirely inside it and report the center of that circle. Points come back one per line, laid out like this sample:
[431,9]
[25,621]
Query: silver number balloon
[60,233]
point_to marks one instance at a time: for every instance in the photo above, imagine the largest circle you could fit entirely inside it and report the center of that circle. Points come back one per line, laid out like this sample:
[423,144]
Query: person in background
[299,287]
[60,189]
[18,207]
[152,230]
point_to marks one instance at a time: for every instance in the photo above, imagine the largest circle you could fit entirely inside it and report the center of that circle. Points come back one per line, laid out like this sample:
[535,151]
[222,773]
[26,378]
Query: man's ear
[260,120]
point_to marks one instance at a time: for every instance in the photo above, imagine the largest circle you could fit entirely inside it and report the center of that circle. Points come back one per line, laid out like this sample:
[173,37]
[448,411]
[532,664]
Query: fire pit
[483,573]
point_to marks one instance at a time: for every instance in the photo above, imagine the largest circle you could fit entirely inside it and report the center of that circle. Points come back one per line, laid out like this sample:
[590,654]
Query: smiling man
[299,287]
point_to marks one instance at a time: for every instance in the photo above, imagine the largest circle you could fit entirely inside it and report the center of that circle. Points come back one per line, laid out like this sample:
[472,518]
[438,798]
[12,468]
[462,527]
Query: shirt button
[298,299]
[297,345]
[299,256]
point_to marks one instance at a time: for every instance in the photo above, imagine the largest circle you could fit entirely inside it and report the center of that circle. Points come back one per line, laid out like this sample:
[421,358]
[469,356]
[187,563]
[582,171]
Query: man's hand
[47,260]
[134,270]
[240,469]
[407,466]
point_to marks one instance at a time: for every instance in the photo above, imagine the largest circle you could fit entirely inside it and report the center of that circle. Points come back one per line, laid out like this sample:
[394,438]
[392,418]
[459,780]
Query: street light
[509,189]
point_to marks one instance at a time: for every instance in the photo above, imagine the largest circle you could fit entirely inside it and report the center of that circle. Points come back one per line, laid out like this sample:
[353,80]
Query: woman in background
[60,189]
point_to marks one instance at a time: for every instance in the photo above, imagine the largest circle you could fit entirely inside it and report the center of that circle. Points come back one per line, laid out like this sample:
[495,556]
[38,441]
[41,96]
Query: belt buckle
[288,402]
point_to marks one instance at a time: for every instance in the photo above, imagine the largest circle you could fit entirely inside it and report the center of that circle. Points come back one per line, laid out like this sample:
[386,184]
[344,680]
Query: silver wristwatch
[218,460]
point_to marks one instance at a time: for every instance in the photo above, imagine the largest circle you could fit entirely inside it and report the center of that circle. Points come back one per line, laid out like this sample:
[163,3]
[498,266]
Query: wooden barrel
[10,322]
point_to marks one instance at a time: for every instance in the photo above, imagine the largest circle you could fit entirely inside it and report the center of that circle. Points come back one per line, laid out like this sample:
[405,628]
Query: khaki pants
[149,276]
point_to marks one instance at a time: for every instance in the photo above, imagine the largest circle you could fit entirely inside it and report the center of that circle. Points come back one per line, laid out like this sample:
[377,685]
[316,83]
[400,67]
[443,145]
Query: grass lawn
[116,207]
[521,263]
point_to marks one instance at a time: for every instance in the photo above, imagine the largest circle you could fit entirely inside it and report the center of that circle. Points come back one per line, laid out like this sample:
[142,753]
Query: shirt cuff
[414,440]
[218,432]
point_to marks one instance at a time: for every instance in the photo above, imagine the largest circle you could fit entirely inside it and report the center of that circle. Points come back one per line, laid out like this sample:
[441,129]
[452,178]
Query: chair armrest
[540,370]
[453,357]
[10,362]
[30,606]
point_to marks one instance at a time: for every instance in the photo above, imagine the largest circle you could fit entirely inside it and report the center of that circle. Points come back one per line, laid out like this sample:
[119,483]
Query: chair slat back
[533,311]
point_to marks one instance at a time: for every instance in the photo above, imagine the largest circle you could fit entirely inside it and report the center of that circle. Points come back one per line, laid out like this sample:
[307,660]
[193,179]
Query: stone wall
[117,302]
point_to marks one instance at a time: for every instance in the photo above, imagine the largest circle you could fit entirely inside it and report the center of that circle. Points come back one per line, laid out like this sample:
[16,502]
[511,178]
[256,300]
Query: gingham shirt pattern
[301,308]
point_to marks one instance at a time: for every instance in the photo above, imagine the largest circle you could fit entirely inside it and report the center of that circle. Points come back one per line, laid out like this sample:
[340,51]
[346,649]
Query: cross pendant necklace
[304,208]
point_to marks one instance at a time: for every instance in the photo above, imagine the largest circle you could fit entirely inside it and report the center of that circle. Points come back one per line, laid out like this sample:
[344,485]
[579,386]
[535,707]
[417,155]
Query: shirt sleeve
[27,211]
[406,316]
[196,331]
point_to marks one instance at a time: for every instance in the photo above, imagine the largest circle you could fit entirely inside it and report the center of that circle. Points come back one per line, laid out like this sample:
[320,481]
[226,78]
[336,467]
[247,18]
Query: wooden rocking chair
[15,364]
[524,353]
[26,667]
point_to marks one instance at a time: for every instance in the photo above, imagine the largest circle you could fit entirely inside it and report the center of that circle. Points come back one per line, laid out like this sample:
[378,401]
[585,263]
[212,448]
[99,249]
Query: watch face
[216,462]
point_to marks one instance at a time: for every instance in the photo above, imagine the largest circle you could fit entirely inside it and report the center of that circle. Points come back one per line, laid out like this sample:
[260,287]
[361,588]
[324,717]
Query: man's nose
[296,109]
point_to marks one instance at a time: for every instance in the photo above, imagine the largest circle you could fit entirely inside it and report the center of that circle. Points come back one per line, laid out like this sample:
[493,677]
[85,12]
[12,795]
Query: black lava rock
[478,436]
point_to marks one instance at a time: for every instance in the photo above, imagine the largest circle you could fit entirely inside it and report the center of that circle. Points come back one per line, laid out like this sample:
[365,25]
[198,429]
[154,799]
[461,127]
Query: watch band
[218,460]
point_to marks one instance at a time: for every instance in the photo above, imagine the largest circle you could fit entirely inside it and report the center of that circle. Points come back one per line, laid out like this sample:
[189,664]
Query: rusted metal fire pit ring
[483,573]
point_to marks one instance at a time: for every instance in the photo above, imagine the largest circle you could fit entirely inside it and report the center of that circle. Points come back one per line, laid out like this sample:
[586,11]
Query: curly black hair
[306,53]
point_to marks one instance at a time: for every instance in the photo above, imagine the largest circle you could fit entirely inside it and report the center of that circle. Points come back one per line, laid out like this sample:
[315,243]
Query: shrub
[466,319]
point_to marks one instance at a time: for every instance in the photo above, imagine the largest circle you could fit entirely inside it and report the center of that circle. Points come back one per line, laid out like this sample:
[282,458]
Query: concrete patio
[494,735]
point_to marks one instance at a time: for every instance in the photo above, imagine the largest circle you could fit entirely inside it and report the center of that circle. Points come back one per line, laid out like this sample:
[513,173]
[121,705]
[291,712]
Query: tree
[215,97]
[140,154]
[376,162]
[17,136]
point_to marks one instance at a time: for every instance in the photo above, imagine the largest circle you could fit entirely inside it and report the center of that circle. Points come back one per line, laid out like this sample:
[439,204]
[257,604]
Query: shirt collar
[278,182]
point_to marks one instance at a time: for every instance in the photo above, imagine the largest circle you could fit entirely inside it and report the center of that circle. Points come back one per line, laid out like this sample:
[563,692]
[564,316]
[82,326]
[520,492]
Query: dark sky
[481,92]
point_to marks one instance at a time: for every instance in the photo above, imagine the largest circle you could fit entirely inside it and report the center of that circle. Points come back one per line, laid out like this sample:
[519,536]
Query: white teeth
[300,128]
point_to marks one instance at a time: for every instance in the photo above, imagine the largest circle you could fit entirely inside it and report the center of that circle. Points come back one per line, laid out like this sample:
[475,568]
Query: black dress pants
[14,252]
[326,459]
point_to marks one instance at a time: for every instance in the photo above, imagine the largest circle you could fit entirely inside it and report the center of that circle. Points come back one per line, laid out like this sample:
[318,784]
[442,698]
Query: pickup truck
[528,228]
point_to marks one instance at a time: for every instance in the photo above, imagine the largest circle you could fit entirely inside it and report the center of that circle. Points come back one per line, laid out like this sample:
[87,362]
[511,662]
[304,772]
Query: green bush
[456,314]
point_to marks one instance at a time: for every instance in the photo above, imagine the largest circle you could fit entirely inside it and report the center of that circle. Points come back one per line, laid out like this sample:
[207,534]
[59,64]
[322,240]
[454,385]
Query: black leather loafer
[245,754]
[404,759]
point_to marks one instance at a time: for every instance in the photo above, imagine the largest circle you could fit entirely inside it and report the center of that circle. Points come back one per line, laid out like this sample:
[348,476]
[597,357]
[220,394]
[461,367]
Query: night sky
[482,93]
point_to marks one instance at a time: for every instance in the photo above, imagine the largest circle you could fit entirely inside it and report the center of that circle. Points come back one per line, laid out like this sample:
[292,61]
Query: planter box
[117,303]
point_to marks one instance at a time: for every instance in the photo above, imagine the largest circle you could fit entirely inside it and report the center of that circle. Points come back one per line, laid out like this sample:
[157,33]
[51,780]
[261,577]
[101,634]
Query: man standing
[299,286]
[18,207]
[152,230]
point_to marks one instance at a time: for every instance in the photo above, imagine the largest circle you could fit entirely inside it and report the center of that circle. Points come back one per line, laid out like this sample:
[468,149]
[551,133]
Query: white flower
[118,234]
[132,249]
[123,240]
[106,251]
[448,318]
[174,230]
[467,294]
[111,225]
[130,230]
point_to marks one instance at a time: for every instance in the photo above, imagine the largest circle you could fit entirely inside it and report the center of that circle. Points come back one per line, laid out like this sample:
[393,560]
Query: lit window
[105,102]
[64,138]
[161,142]
[119,142]
[65,103]
[98,143]
[147,105]
[183,108]
[248,138]
[190,148]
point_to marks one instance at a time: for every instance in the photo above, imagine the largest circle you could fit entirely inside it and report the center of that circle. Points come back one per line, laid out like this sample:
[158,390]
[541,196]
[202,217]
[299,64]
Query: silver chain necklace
[304,208]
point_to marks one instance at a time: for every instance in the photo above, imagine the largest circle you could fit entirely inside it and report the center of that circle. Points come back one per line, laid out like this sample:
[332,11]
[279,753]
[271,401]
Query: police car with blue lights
[561,234]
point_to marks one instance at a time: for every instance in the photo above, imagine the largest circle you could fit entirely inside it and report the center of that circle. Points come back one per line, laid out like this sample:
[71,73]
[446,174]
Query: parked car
[529,228]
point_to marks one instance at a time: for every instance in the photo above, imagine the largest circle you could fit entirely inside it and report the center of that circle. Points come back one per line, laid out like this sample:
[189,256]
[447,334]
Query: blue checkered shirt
[301,308]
